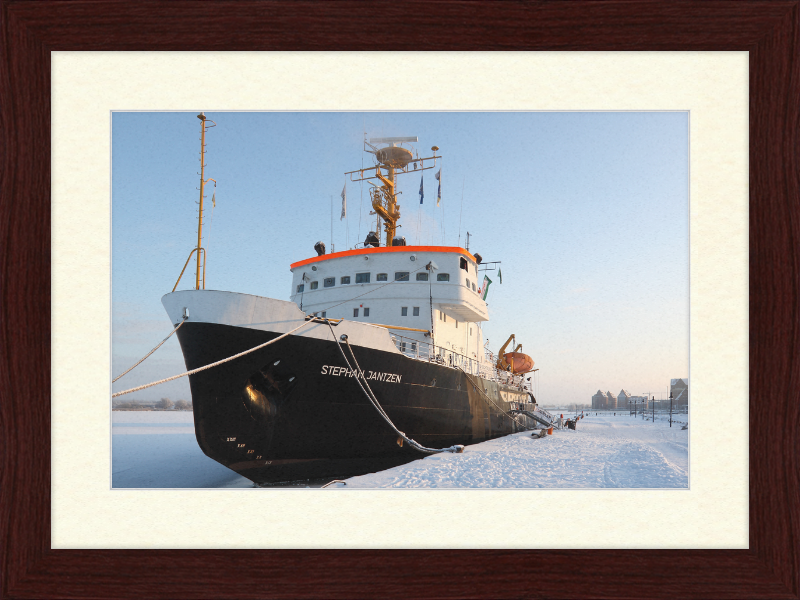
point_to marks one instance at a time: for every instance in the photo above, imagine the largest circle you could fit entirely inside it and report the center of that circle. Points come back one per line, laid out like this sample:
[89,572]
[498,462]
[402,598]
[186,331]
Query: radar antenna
[392,160]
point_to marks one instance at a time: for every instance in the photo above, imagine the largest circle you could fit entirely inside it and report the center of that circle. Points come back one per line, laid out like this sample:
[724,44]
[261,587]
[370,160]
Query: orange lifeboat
[519,362]
[514,362]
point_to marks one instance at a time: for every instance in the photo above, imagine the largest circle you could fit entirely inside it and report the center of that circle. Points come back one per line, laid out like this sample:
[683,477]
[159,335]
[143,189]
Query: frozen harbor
[159,450]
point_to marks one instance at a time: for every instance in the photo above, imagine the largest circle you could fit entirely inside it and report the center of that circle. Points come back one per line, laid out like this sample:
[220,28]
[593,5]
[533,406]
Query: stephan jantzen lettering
[366,375]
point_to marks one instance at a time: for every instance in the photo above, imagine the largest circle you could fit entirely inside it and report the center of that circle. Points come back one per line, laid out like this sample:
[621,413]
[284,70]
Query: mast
[392,160]
[203,181]
[202,118]
[205,123]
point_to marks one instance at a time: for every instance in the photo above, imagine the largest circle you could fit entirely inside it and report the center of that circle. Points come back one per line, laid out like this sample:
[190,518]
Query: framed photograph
[405,315]
[37,497]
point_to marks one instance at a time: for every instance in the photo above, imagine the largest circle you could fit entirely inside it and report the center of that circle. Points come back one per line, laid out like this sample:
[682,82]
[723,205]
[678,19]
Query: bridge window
[362,277]
[401,276]
[345,280]
[329,281]
[422,277]
[382,277]
[404,311]
[355,313]
[314,285]
[300,288]
[443,277]
[416,311]
[462,262]
[366,312]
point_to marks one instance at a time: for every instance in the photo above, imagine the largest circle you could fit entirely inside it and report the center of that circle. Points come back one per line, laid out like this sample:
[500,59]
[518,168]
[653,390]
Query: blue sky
[588,213]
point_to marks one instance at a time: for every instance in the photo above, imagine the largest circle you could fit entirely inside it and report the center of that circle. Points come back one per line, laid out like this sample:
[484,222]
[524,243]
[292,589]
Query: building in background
[679,388]
[599,401]
[625,401]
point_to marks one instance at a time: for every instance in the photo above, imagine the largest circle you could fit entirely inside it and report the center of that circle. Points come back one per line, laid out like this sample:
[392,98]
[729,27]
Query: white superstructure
[395,286]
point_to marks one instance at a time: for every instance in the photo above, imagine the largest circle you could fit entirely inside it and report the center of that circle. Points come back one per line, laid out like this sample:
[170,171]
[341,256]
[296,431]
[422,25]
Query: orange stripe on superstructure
[383,250]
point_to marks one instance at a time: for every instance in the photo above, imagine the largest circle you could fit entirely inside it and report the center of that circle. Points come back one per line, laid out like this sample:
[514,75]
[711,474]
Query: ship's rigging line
[419,209]
[151,351]
[374,401]
[219,362]
[361,188]
[480,389]
[241,354]
[208,244]
[444,229]
[461,213]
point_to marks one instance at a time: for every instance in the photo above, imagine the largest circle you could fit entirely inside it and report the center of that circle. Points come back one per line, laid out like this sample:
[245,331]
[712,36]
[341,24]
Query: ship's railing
[550,416]
[445,356]
[438,354]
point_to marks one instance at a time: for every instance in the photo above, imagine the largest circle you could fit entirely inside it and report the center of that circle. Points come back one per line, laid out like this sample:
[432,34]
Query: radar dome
[394,156]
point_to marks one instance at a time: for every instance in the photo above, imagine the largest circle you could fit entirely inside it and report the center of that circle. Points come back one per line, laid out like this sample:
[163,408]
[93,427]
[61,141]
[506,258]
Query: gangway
[539,418]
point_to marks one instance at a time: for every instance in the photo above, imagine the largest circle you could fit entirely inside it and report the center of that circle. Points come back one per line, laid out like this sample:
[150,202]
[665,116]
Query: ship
[377,358]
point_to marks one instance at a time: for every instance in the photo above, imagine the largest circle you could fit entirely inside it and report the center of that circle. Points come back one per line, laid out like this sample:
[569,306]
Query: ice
[158,449]
[604,452]
[143,422]
[151,449]
[152,416]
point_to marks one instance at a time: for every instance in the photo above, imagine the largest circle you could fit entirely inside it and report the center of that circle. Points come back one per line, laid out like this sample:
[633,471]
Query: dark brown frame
[769,30]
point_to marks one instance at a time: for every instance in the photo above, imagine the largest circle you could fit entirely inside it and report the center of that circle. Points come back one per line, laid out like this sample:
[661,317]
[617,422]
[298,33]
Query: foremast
[205,124]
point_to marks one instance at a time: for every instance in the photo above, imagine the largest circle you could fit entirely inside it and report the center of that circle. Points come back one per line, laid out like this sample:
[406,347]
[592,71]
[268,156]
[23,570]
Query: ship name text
[366,375]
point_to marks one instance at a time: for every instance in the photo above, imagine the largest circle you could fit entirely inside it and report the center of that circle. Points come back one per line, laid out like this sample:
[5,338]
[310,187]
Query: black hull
[306,417]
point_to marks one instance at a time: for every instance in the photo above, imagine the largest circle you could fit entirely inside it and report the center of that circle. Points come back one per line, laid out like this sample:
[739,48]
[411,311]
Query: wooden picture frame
[768,30]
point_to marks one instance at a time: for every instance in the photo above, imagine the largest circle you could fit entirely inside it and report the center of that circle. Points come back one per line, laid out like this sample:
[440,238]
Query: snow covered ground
[605,451]
[159,450]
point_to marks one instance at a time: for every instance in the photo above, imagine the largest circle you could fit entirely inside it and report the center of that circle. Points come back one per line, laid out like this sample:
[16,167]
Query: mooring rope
[334,481]
[219,362]
[374,401]
[151,351]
